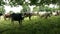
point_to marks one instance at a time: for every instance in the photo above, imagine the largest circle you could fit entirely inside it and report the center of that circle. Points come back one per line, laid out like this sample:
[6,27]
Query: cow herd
[20,16]
[16,16]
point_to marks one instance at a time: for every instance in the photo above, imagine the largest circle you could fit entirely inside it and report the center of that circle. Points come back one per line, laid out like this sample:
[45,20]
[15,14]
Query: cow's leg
[12,21]
[4,18]
[29,17]
[49,15]
[9,18]
[42,16]
[0,17]
[20,22]
[46,16]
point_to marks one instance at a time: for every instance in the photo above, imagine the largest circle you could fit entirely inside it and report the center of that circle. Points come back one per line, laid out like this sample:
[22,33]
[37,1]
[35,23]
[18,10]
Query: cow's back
[16,16]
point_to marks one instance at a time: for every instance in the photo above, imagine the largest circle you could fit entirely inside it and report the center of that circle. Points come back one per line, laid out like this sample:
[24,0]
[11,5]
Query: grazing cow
[45,14]
[56,13]
[6,16]
[17,17]
[28,15]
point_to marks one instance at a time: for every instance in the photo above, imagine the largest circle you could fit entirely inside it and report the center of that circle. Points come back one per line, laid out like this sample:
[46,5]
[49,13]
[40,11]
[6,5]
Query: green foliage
[25,8]
[36,8]
[2,3]
[18,2]
[33,2]
[2,9]
[54,1]
[45,8]
[48,9]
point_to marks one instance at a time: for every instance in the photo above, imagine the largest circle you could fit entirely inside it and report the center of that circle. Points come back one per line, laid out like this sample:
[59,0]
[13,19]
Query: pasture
[36,25]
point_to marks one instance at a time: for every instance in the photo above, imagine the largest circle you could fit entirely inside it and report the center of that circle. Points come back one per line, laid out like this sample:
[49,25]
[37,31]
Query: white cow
[43,14]
[55,13]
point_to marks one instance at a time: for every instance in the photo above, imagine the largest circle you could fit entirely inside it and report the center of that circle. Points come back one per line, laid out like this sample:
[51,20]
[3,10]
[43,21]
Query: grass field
[35,26]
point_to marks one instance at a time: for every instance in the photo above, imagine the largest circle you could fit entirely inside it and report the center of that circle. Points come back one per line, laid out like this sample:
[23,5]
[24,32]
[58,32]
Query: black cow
[17,17]
[1,14]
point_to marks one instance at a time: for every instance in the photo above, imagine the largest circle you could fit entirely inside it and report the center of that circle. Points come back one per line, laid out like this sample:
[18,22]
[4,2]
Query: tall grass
[35,26]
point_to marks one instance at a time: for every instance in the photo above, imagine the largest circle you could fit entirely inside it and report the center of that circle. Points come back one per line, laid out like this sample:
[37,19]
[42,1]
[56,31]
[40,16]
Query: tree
[2,2]
[2,10]
[16,2]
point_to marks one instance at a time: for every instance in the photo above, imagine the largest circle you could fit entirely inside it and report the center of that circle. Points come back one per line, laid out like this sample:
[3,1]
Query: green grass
[35,26]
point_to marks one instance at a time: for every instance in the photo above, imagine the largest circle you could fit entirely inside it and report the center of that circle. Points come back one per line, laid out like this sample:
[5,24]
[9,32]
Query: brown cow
[6,16]
[28,15]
